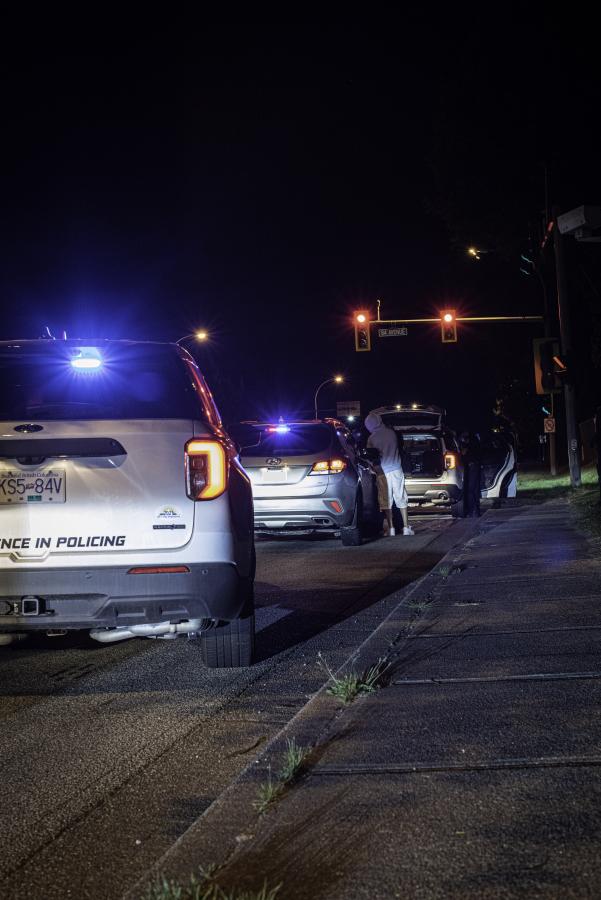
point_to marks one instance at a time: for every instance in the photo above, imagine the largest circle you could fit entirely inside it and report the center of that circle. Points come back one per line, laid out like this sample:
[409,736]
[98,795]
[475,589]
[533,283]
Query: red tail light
[328,467]
[206,469]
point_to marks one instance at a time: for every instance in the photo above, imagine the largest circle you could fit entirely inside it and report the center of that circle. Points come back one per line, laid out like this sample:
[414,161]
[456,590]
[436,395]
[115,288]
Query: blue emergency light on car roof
[87,359]
[279,429]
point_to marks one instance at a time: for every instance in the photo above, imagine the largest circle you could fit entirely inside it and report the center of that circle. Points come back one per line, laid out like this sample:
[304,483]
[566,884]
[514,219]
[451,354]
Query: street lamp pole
[337,379]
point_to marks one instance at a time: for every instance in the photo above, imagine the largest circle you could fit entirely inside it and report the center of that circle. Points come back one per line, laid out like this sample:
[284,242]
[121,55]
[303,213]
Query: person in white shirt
[391,478]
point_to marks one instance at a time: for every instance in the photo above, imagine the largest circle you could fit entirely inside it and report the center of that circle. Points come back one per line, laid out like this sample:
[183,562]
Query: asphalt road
[108,753]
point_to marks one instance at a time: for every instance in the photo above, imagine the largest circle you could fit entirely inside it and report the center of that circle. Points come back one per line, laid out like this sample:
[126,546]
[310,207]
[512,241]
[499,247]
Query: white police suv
[124,510]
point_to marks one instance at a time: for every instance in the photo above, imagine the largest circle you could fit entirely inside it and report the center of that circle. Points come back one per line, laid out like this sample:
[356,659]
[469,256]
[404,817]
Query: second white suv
[431,458]
[124,508]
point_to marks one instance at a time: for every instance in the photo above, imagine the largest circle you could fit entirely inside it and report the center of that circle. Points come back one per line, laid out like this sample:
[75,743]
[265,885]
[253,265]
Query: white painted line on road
[472,633]
[378,769]
[538,676]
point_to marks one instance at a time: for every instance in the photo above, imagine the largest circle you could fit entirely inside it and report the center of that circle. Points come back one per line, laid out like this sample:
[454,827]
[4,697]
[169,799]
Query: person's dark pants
[472,489]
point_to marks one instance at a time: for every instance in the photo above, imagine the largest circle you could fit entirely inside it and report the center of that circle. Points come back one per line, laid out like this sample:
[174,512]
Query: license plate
[274,476]
[33,487]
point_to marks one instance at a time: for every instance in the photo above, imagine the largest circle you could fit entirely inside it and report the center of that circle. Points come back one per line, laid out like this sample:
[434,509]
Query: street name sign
[393,332]
[346,408]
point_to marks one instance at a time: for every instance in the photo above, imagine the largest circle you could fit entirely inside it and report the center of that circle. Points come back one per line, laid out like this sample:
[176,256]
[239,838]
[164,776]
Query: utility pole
[552,436]
[566,349]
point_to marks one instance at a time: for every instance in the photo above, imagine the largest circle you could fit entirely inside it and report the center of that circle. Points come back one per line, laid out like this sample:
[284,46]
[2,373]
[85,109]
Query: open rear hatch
[412,417]
[422,456]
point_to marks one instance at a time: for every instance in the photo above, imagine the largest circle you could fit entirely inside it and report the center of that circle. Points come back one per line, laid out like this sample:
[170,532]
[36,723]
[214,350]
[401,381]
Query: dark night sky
[264,181]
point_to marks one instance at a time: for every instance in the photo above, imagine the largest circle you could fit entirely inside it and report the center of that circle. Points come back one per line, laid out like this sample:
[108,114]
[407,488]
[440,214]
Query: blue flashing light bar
[88,359]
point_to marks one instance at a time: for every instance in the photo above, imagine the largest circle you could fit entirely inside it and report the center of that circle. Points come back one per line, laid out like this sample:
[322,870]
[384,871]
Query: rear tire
[458,509]
[231,645]
[352,535]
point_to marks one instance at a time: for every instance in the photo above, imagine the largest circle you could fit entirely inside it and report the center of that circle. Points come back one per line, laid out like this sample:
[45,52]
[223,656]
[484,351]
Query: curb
[231,820]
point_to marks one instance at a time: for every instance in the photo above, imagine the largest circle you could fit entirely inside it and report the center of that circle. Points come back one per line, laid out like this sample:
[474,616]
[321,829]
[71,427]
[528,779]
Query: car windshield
[67,381]
[289,440]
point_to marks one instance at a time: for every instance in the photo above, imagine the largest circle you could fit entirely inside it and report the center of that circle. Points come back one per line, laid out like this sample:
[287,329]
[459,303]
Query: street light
[476,252]
[337,379]
[200,335]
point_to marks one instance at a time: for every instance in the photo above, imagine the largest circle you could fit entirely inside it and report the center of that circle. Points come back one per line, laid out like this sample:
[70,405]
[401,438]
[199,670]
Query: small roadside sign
[549,425]
[345,408]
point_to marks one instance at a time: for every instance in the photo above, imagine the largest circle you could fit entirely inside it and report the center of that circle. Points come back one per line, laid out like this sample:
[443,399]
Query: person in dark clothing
[472,468]
[597,444]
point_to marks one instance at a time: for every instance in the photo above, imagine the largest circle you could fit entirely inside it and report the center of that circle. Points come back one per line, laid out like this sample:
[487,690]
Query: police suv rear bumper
[74,599]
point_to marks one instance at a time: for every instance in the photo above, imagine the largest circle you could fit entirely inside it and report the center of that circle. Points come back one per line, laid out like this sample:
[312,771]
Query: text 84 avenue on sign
[393,332]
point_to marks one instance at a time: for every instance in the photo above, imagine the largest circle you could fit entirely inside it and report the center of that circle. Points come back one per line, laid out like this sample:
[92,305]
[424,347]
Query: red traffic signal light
[362,332]
[448,326]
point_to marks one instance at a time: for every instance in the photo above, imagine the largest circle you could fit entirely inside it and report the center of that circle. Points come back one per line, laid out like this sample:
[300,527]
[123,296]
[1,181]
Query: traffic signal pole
[458,319]
[566,347]
[552,437]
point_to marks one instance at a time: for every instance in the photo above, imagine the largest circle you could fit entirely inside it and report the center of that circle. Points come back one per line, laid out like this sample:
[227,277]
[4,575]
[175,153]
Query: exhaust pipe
[164,630]
[11,637]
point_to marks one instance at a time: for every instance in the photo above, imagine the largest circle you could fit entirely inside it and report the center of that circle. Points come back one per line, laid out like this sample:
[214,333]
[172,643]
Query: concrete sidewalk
[475,772]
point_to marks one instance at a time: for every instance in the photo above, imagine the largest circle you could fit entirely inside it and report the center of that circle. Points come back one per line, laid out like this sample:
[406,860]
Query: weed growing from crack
[295,758]
[353,684]
[206,888]
[268,793]
[419,605]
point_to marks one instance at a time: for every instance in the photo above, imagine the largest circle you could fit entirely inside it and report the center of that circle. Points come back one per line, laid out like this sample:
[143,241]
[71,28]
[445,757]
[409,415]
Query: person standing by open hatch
[597,444]
[391,478]
[472,472]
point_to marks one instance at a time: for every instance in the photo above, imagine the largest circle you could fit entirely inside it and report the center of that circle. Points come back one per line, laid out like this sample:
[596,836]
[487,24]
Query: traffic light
[547,366]
[448,326]
[362,333]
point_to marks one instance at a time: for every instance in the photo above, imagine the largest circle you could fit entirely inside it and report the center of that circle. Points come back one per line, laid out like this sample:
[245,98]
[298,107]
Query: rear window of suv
[298,440]
[134,381]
